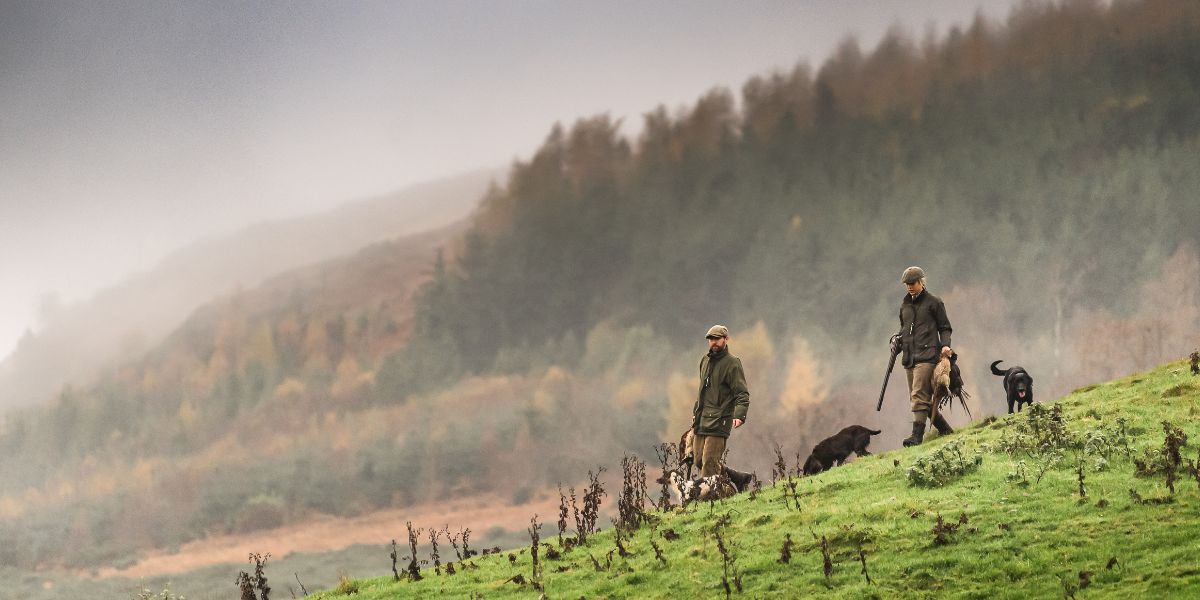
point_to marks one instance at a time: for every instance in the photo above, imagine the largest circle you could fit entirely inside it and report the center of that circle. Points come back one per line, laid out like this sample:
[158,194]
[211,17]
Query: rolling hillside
[212,417]
[1051,503]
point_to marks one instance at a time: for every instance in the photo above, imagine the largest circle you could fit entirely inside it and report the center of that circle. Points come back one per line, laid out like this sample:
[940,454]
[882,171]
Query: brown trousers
[708,452]
[920,391]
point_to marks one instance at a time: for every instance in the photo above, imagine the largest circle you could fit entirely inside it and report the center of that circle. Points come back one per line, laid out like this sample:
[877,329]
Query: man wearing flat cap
[924,338]
[722,402]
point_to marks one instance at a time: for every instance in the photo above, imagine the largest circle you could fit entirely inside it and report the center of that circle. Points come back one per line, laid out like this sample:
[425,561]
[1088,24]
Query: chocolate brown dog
[836,448]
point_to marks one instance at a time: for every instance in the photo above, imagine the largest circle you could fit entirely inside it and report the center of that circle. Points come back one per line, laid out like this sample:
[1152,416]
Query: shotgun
[895,346]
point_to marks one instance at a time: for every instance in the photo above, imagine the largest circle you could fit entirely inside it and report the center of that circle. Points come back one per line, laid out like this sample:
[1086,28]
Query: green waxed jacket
[924,328]
[723,395]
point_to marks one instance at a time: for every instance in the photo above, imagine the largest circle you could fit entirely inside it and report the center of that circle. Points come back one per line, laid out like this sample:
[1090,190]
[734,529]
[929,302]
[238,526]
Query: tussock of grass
[1182,389]
[864,531]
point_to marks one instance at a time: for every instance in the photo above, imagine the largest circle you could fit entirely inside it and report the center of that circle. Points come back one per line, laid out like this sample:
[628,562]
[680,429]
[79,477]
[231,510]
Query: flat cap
[912,275]
[717,331]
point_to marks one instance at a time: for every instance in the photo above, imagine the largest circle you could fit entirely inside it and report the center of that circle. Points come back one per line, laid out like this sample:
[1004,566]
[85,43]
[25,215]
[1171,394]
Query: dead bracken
[254,587]
[785,552]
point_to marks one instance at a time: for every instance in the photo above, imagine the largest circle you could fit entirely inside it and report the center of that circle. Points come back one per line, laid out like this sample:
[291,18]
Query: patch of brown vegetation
[328,534]
[1182,389]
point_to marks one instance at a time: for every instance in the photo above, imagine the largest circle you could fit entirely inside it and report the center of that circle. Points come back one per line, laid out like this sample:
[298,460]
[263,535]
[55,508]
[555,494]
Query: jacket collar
[911,300]
[719,355]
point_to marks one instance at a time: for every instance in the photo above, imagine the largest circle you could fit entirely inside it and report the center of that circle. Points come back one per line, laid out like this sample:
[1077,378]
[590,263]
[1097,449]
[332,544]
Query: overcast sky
[129,129]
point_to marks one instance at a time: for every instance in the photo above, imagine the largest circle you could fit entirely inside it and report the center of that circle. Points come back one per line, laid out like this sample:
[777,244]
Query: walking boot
[917,434]
[943,428]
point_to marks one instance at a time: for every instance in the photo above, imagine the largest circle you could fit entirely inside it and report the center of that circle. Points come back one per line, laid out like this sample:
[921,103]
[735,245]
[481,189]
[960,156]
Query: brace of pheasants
[948,384]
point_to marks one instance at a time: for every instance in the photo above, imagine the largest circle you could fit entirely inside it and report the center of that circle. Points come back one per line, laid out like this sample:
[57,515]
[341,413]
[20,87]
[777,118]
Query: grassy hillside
[1019,537]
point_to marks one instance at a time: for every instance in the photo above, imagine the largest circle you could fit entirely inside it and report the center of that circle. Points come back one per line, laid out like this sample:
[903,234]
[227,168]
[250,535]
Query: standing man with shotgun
[924,338]
[722,403]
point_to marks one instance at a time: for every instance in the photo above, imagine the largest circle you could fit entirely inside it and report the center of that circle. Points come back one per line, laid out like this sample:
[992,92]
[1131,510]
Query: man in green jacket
[722,403]
[924,338]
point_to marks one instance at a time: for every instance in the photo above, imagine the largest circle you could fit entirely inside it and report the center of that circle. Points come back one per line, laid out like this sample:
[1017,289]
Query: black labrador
[740,479]
[837,447]
[1018,385]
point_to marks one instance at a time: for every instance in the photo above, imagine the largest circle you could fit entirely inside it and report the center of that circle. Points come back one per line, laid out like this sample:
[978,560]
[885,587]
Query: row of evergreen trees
[1054,156]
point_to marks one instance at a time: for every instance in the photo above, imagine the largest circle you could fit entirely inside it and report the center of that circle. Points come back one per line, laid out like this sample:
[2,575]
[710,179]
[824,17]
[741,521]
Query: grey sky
[128,129]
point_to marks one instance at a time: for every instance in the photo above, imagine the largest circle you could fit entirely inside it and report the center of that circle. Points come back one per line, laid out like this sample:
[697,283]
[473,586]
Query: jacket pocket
[712,420]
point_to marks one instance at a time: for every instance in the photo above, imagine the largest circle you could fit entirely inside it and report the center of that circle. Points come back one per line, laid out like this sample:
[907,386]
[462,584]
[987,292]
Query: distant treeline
[1043,172]
[1054,158]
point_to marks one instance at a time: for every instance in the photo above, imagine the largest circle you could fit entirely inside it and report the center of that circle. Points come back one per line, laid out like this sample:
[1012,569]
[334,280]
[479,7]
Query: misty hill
[122,322]
[1042,172]
[212,414]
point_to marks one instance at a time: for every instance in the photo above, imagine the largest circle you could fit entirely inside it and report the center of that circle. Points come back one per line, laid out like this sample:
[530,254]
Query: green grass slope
[1016,536]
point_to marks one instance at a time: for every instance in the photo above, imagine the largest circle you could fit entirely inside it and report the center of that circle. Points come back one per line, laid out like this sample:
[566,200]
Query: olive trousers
[708,452]
[920,391]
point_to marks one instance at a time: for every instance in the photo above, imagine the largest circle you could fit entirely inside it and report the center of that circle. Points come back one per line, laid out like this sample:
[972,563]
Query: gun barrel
[886,375]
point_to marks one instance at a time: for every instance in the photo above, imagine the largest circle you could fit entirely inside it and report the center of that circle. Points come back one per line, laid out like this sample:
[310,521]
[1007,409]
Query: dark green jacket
[723,395]
[924,328]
